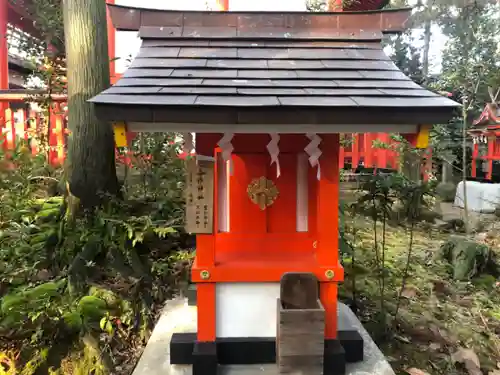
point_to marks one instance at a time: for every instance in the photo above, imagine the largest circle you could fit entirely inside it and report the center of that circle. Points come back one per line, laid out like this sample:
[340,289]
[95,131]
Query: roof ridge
[386,21]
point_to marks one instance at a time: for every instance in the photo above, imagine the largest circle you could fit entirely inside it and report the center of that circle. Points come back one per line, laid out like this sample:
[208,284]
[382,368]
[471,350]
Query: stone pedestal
[174,337]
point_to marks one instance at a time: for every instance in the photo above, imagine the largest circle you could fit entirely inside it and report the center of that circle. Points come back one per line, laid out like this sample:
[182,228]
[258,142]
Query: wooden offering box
[300,334]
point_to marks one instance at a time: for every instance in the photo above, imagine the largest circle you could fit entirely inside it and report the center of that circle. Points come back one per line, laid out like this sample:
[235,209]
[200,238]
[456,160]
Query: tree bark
[412,165]
[91,168]
[427,45]
[447,175]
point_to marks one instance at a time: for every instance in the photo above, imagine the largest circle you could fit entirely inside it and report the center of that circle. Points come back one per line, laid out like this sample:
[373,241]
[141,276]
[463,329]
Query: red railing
[42,131]
[359,149]
[50,132]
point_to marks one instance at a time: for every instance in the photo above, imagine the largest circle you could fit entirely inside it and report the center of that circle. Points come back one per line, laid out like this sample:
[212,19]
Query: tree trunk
[91,169]
[427,44]
[412,165]
[464,168]
[447,175]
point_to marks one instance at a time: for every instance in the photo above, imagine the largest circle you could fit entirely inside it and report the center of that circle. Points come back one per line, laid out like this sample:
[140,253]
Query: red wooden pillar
[491,150]
[356,140]
[342,157]
[383,152]
[52,141]
[10,124]
[392,155]
[205,258]
[111,45]
[59,132]
[475,154]
[368,150]
[327,226]
[32,124]
[5,124]
[26,126]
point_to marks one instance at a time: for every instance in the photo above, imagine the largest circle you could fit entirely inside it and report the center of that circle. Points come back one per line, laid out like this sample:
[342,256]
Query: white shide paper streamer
[314,152]
[227,148]
[187,145]
[274,152]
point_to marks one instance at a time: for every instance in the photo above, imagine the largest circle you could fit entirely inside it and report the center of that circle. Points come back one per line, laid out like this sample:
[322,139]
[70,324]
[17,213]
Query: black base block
[352,342]
[205,360]
[184,349]
[246,350]
[334,358]
[181,348]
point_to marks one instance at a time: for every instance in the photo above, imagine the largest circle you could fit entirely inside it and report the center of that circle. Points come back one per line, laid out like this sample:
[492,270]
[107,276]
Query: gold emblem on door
[262,192]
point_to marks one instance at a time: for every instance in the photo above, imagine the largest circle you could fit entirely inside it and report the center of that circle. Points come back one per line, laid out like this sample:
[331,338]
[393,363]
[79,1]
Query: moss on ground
[436,316]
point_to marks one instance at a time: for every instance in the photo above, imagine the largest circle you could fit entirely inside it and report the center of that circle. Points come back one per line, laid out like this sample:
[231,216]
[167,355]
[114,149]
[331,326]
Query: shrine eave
[246,76]
[19,16]
[489,117]
[20,65]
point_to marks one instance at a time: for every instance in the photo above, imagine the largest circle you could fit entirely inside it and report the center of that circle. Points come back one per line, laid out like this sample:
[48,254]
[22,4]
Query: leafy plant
[91,283]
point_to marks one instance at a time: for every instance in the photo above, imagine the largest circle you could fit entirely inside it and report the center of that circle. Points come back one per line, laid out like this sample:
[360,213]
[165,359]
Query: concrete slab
[178,316]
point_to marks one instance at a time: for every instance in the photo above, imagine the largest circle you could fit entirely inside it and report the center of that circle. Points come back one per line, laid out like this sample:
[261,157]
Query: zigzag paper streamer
[274,152]
[314,152]
[227,148]
[188,144]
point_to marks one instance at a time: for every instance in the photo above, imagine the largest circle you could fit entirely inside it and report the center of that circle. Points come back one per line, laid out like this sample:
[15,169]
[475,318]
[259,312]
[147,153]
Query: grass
[437,315]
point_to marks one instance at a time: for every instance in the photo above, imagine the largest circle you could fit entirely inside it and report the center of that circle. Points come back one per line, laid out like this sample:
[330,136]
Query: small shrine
[485,135]
[266,96]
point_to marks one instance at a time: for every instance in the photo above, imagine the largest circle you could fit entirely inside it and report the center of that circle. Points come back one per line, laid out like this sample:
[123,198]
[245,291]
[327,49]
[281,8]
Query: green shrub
[97,276]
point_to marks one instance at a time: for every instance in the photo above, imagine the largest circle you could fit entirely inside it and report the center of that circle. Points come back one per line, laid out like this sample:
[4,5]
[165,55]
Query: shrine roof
[266,68]
[490,116]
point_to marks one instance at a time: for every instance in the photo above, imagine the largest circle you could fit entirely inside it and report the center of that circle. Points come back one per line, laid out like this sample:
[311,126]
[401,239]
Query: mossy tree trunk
[91,169]
[447,175]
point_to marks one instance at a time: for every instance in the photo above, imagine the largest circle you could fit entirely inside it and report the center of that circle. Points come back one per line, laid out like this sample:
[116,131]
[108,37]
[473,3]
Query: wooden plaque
[199,196]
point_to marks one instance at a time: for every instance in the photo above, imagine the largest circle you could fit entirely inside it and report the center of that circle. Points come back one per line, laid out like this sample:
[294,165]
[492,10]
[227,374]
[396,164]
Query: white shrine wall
[246,309]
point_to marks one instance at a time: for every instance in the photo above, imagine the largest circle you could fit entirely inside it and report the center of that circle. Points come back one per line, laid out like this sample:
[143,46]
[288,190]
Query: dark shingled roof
[266,68]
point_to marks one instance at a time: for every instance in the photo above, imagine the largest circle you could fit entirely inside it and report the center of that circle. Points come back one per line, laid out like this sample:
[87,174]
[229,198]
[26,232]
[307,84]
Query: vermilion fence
[361,150]
[41,132]
[23,121]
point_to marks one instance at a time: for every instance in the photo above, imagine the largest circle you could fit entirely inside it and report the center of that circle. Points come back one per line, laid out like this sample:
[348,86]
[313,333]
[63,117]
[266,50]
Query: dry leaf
[440,287]
[434,346]
[403,339]
[416,371]
[470,360]
[409,292]
[465,301]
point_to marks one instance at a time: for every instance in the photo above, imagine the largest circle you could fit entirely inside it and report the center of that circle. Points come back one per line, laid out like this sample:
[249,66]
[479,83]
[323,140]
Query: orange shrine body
[238,80]
[250,248]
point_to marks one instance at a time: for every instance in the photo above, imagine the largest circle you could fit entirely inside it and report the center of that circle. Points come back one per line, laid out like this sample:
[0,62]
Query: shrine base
[184,349]
[178,316]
